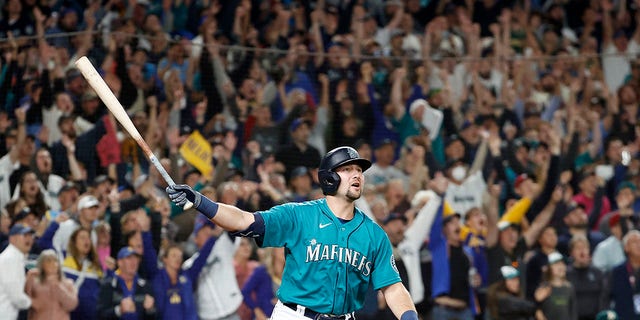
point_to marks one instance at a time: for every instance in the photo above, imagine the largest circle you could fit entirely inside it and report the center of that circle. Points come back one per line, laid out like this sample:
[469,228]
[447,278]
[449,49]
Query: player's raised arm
[228,217]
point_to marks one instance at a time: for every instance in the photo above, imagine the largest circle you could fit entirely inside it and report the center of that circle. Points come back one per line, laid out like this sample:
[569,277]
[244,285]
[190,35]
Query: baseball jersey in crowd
[12,280]
[217,293]
[467,195]
[335,260]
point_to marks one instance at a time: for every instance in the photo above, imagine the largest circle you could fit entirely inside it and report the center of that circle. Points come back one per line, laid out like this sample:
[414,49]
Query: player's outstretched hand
[181,193]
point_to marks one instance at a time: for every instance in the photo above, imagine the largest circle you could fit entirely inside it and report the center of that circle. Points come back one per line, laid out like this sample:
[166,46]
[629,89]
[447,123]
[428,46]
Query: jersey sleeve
[385,272]
[280,226]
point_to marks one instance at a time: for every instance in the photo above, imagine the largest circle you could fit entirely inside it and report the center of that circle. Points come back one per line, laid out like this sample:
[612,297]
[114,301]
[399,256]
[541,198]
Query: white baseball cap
[554,257]
[509,272]
[417,103]
[87,202]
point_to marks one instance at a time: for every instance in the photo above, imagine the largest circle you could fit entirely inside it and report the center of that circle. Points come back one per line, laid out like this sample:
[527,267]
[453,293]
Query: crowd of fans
[520,202]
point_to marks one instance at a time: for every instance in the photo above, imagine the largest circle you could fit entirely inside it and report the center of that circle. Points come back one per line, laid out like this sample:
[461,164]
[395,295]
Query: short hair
[165,251]
[577,238]
[47,255]
[627,236]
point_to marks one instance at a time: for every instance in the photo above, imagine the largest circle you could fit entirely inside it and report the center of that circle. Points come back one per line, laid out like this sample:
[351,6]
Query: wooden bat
[106,95]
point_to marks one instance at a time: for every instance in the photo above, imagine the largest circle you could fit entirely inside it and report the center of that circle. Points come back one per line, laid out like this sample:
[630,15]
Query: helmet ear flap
[329,181]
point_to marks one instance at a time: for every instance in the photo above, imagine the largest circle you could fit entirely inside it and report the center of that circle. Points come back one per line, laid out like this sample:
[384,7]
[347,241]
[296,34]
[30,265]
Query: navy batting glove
[180,193]
[409,315]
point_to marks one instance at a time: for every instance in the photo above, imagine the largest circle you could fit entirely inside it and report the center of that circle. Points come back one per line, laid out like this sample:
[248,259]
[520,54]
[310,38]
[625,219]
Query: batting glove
[181,193]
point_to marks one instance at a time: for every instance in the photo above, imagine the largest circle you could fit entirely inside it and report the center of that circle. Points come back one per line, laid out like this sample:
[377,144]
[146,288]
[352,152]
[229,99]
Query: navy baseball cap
[384,142]
[23,214]
[394,216]
[299,171]
[297,123]
[202,222]
[126,252]
[20,229]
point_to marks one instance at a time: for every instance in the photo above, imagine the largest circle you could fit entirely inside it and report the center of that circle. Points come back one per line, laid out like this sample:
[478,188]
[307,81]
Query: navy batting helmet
[329,179]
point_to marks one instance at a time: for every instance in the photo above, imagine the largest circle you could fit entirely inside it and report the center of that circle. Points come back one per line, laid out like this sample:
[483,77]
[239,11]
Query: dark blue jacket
[623,287]
[261,284]
[112,292]
[87,292]
[165,293]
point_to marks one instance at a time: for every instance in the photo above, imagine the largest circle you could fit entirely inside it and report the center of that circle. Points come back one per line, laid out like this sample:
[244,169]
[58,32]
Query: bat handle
[167,178]
[187,205]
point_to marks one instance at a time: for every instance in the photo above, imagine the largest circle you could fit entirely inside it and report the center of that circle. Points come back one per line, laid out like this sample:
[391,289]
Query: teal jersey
[329,263]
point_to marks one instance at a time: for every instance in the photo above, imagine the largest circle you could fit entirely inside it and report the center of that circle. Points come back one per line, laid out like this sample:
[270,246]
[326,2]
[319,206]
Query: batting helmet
[329,179]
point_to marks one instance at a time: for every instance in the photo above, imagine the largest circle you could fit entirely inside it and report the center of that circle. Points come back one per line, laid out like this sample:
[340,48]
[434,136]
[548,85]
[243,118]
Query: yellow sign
[197,151]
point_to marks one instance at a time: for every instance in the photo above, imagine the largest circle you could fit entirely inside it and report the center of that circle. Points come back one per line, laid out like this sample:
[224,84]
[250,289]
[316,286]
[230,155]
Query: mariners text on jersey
[323,252]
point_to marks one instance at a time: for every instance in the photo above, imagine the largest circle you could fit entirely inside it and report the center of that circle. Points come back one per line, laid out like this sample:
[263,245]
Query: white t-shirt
[6,169]
[616,64]
[467,195]
[218,294]
[50,119]
[608,254]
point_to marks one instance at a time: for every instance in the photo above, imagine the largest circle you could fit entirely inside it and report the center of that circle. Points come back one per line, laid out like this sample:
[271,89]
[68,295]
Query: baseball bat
[106,95]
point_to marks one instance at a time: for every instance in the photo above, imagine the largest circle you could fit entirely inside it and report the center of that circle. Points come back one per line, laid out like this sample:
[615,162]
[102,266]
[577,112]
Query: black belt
[316,315]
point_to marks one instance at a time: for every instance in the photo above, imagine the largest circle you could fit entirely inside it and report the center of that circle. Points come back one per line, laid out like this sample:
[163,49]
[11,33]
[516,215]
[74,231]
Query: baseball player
[333,251]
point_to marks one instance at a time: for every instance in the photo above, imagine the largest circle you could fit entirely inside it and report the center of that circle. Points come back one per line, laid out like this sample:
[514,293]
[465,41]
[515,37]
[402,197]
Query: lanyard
[632,277]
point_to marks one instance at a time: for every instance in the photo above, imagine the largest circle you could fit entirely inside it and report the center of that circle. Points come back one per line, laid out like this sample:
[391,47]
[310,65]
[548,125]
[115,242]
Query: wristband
[207,207]
[409,315]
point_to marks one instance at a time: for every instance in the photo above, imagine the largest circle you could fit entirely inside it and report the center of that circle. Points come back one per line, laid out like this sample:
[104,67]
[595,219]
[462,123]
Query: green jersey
[329,262]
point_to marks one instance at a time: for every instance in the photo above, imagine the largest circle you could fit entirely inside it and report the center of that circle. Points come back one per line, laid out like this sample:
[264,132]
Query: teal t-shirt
[406,127]
[329,264]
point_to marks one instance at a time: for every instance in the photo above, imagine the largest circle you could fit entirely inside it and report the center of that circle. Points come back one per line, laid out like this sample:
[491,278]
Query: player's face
[351,181]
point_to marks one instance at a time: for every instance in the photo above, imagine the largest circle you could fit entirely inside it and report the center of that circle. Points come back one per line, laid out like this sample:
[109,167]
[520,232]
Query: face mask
[458,173]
